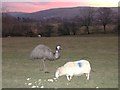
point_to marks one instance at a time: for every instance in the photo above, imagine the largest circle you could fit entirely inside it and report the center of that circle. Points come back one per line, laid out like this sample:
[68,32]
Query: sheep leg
[45,68]
[69,77]
[87,75]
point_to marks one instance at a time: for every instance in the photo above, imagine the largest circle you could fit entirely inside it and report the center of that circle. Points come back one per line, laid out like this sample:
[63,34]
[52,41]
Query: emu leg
[45,68]
[41,65]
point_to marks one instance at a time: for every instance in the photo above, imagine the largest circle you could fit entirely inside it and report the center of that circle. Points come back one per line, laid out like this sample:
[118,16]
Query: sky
[38,5]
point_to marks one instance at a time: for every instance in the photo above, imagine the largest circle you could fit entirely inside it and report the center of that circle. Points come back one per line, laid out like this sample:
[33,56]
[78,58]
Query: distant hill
[16,14]
[53,13]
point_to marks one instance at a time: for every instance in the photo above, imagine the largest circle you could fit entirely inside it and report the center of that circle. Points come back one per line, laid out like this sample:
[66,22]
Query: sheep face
[59,72]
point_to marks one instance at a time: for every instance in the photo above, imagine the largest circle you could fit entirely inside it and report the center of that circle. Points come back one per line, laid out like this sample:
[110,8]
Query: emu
[43,53]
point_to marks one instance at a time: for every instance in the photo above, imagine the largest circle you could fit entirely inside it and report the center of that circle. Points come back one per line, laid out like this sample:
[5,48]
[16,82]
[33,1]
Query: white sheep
[39,36]
[75,68]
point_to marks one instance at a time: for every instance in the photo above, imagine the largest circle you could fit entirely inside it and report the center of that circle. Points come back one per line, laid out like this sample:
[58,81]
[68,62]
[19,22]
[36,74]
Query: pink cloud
[37,6]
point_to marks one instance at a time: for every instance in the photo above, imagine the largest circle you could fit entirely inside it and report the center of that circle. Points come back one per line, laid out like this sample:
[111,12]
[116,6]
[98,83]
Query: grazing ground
[21,72]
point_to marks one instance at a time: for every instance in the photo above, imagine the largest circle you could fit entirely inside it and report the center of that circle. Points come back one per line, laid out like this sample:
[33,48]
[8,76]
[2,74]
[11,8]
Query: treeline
[90,21]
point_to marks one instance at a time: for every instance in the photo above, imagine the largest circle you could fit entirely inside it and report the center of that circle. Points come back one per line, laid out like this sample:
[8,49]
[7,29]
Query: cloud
[38,3]
[44,0]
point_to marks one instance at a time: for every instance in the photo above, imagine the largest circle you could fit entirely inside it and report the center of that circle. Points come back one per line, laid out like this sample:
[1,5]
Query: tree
[104,16]
[64,28]
[86,17]
[8,22]
[48,30]
[73,27]
[118,22]
[61,30]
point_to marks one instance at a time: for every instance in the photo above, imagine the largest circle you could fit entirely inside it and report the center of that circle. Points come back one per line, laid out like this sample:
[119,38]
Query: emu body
[43,53]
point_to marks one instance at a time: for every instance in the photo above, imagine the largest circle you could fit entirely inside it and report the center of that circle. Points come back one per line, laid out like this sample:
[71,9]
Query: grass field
[102,52]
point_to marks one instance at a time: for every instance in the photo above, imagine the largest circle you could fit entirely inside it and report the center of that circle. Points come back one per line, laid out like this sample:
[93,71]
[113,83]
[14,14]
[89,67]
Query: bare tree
[4,9]
[64,28]
[74,28]
[118,22]
[8,22]
[86,17]
[47,30]
[104,16]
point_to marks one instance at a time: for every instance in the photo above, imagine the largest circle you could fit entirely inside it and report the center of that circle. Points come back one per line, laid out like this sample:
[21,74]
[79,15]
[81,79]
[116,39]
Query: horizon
[59,8]
[31,7]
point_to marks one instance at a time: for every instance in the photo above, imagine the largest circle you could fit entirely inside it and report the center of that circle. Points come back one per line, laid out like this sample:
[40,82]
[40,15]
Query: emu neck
[57,54]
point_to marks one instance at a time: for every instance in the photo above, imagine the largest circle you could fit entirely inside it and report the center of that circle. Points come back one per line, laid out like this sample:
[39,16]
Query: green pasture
[102,52]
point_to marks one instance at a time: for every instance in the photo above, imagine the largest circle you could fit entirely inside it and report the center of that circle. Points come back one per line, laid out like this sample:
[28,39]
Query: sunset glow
[37,6]
[104,3]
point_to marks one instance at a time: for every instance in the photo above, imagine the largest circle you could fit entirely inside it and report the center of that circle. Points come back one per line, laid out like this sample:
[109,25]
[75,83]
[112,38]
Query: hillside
[53,13]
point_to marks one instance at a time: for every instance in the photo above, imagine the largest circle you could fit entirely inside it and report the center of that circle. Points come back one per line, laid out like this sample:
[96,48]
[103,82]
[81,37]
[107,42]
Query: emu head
[58,47]
[57,52]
